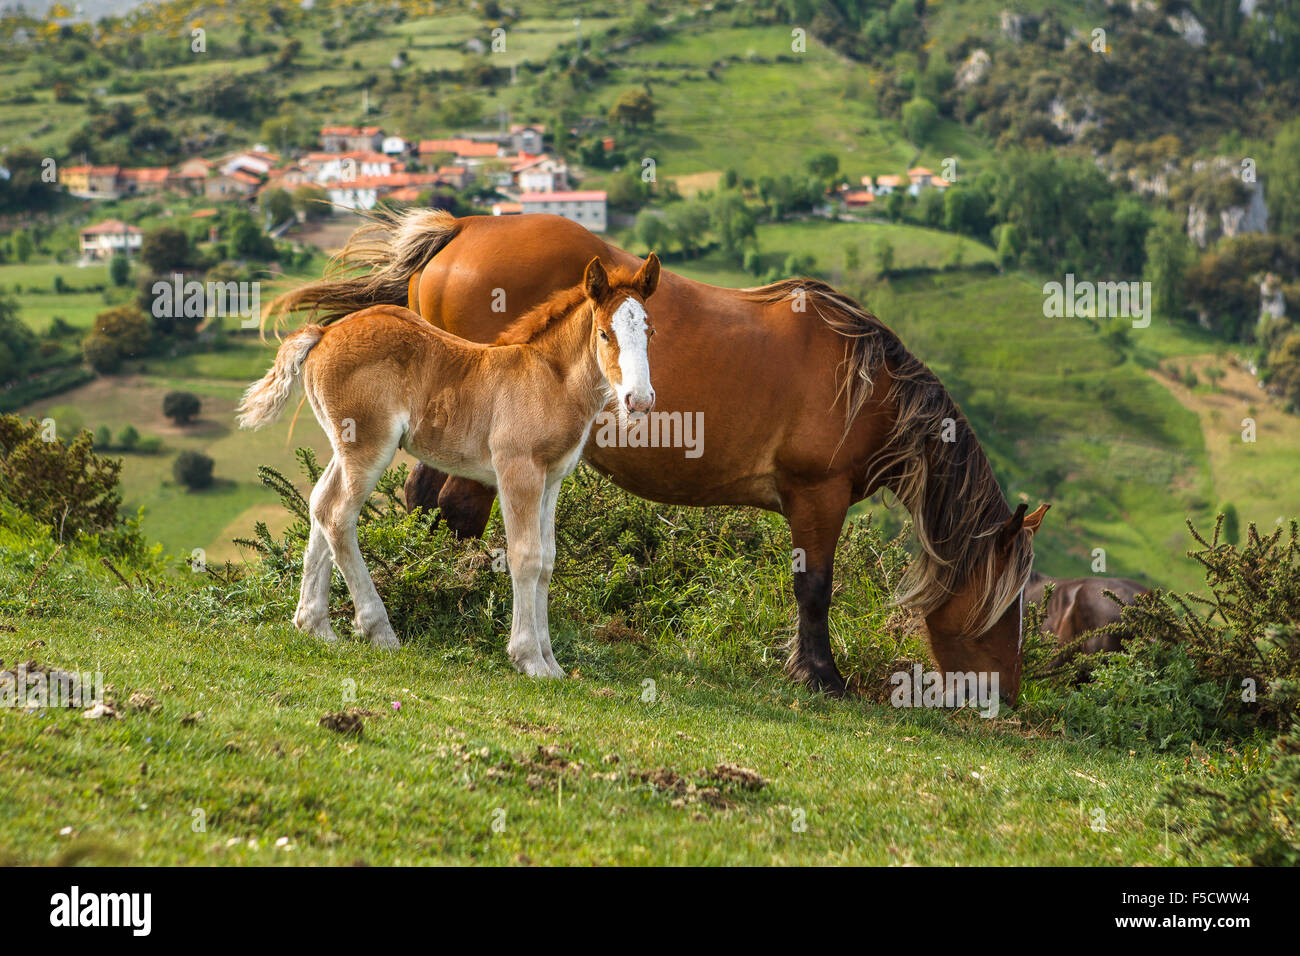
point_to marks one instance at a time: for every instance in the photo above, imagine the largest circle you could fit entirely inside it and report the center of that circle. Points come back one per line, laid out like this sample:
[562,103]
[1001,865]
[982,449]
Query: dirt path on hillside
[1262,478]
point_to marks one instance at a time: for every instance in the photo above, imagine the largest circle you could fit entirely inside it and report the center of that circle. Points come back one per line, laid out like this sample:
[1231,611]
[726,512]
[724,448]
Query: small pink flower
[397,705]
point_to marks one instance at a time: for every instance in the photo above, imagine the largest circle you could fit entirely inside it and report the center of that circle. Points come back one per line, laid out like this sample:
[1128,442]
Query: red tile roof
[461,147]
[590,195]
[113,227]
[146,174]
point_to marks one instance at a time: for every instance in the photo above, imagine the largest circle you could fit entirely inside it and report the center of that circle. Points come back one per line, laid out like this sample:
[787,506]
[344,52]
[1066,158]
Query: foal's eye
[650,332]
[603,335]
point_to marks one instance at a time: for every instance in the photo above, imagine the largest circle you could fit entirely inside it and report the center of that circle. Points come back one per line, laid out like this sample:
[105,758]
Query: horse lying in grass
[514,416]
[1078,607]
[811,403]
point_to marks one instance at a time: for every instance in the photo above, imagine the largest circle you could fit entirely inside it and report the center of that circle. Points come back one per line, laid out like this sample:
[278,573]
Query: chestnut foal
[514,415]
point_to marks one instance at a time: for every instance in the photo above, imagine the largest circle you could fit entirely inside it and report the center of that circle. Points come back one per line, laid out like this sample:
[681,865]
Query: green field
[827,242]
[647,754]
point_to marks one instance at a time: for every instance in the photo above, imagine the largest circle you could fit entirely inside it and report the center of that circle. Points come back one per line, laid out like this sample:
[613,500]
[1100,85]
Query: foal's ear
[596,280]
[646,279]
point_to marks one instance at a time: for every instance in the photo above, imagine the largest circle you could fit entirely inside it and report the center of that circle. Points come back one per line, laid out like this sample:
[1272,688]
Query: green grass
[565,769]
[1067,417]
[184,520]
[827,242]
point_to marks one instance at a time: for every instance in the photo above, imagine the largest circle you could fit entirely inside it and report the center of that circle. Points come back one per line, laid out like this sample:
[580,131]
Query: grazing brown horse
[811,403]
[1078,606]
[515,417]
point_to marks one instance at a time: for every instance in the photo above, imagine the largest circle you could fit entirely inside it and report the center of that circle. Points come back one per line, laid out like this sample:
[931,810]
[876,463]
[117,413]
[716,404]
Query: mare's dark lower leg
[816,516]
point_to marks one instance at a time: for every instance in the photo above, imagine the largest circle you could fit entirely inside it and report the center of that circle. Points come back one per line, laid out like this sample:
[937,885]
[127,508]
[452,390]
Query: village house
[190,175]
[235,185]
[341,167]
[365,192]
[884,185]
[255,161]
[458,177]
[394,146]
[110,237]
[922,178]
[587,208]
[143,181]
[540,174]
[858,198]
[345,139]
[92,182]
[917,179]
[464,150]
[527,137]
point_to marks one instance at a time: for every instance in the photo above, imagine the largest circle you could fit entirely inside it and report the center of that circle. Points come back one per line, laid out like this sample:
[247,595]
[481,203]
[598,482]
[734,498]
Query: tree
[1283,180]
[688,222]
[247,239]
[181,407]
[312,202]
[1009,245]
[1284,369]
[823,165]
[62,484]
[633,109]
[461,109]
[17,342]
[653,231]
[119,333]
[280,205]
[22,245]
[24,189]
[166,249]
[919,119]
[627,191]
[193,469]
[119,270]
[885,256]
[894,203]
[733,221]
[103,438]
[128,438]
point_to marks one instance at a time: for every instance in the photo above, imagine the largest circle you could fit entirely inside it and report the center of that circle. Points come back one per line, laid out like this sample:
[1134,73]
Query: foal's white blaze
[629,323]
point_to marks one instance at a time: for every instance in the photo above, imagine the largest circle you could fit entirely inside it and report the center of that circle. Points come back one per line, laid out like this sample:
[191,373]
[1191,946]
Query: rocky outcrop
[973,69]
[1206,224]
[1188,27]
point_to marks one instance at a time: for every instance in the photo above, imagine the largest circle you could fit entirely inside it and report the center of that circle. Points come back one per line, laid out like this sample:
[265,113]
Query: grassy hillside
[685,746]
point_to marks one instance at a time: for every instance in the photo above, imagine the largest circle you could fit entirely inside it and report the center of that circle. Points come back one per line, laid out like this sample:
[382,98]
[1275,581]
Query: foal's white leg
[522,486]
[549,500]
[337,513]
[313,613]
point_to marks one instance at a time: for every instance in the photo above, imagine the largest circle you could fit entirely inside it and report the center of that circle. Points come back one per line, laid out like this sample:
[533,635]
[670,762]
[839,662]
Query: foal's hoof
[538,668]
[316,628]
[385,640]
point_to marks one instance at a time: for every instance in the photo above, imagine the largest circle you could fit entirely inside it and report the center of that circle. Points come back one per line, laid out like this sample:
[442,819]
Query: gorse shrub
[1223,664]
[1152,698]
[705,585]
[1242,636]
[1251,809]
[63,485]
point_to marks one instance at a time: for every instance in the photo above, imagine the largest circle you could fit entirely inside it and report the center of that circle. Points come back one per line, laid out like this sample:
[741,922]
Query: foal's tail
[265,399]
